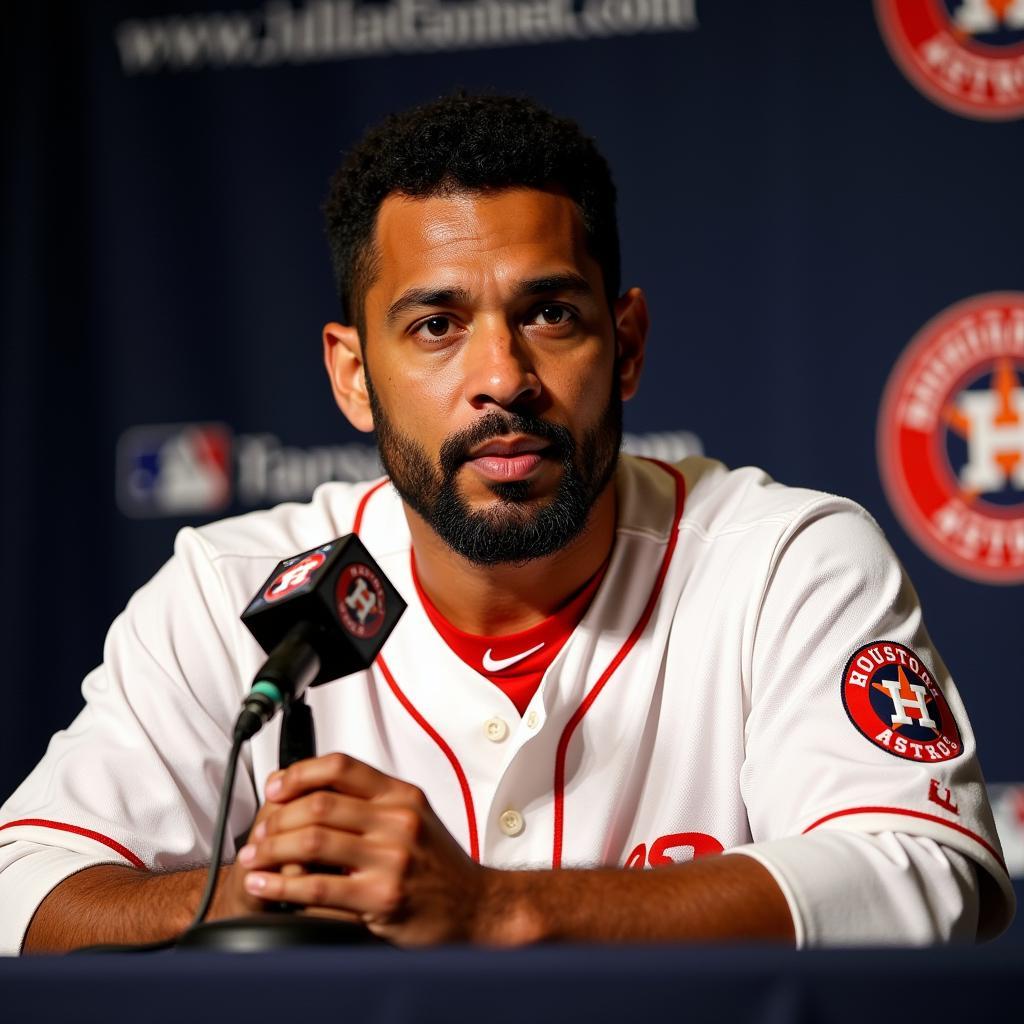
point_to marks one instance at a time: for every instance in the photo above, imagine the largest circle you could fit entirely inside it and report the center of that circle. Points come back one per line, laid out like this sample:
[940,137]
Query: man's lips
[505,459]
[508,446]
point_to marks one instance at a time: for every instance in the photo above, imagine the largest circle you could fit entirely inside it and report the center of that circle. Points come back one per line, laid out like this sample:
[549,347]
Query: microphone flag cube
[337,590]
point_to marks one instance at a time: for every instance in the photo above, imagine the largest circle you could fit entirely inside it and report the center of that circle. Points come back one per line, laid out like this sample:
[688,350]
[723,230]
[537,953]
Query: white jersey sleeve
[134,780]
[856,889]
[855,726]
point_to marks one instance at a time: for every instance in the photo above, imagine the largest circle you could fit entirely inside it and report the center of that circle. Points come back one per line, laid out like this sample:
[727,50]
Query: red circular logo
[951,438]
[894,701]
[966,55]
[360,599]
[295,576]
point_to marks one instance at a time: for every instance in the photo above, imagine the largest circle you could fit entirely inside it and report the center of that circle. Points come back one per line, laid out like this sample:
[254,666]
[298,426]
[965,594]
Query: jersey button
[511,823]
[531,720]
[496,729]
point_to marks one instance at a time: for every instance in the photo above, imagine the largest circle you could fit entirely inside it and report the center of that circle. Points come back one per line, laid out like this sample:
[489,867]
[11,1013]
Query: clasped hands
[391,862]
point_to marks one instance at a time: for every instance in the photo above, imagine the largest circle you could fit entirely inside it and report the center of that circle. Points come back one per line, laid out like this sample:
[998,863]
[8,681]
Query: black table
[626,985]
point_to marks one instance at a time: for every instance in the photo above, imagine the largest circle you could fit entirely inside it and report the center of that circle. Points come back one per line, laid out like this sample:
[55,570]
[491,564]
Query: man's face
[490,362]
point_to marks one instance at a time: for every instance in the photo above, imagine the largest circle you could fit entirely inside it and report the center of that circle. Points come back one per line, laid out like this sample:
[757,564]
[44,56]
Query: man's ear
[343,357]
[631,325]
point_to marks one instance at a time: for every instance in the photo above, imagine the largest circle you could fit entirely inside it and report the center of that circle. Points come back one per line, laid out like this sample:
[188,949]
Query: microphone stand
[281,926]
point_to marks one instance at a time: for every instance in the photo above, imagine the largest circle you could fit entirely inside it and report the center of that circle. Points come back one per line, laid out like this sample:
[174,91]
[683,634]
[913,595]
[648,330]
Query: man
[607,663]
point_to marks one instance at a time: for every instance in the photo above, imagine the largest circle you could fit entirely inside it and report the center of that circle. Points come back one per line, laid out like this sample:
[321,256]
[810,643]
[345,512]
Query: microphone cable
[217,855]
[222,826]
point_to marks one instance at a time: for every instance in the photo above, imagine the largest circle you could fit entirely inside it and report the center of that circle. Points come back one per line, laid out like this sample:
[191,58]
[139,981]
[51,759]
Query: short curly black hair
[471,143]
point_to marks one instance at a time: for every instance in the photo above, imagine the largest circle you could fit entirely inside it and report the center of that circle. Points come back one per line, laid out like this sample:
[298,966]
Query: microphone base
[263,932]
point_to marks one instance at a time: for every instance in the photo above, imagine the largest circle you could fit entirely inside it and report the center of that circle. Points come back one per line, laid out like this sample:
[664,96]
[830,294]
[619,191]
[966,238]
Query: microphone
[322,614]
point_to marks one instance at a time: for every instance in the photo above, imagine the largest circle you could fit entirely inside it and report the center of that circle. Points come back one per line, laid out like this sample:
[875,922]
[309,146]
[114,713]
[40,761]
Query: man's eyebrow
[416,298]
[571,284]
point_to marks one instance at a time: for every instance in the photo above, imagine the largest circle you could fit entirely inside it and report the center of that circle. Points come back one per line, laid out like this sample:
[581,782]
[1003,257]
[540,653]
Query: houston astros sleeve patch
[894,701]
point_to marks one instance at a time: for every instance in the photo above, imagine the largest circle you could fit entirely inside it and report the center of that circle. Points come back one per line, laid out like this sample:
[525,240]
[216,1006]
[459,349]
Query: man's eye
[436,326]
[553,315]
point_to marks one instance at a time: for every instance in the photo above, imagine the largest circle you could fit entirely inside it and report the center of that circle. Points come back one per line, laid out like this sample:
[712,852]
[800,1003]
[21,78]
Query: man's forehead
[462,234]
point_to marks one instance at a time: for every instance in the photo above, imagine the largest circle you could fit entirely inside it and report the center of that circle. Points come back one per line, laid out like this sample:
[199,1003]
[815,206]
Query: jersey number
[674,849]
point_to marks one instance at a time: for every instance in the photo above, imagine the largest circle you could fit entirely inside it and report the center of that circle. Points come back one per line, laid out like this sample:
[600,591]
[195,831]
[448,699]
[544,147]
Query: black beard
[517,529]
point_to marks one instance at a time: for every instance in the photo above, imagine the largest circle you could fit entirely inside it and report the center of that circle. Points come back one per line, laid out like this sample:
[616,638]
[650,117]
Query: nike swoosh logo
[497,664]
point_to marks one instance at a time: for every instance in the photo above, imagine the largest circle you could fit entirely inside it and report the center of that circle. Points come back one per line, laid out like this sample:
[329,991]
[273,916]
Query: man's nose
[499,366]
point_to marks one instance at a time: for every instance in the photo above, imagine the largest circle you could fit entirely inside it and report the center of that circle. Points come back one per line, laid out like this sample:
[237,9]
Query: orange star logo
[908,696]
[1005,385]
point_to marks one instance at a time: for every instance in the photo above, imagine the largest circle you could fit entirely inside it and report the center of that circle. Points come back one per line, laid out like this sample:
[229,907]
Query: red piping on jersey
[358,521]
[467,795]
[912,814]
[87,832]
[563,743]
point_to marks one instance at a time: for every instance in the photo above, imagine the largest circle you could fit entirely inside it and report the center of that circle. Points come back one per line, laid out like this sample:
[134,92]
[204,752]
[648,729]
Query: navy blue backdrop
[796,207]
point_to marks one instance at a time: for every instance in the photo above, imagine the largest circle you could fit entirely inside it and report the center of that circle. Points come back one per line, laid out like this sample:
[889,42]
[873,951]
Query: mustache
[456,447]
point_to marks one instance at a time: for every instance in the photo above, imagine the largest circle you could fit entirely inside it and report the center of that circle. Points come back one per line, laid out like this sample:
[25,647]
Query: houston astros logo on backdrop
[951,438]
[360,599]
[894,701]
[966,55]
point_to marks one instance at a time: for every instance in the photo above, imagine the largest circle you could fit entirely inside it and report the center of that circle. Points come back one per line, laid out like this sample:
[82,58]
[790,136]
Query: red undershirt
[514,662]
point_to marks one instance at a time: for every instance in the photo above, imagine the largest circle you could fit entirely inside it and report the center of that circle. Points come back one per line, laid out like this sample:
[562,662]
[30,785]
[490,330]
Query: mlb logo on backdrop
[951,438]
[176,469]
[966,55]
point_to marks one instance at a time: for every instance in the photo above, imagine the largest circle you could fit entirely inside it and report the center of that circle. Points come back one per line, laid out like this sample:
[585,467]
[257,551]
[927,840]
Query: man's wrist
[506,915]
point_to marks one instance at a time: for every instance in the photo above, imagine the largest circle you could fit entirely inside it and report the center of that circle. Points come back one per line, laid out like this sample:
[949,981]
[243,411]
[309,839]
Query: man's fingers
[263,816]
[351,893]
[339,772]
[322,807]
[313,844]
[342,813]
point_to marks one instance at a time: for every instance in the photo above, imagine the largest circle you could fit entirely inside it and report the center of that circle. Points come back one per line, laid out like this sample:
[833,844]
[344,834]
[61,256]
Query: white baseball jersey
[753,674]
